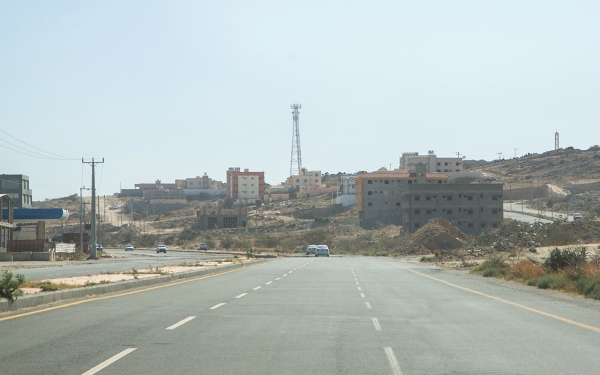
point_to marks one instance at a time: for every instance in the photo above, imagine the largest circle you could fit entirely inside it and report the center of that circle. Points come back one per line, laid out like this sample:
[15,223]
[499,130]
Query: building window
[494,197]
[495,212]
[387,182]
[369,182]
[369,192]
[397,204]
[428,212]
[470,212]
[417,198]
[481,209]
[438,164]
[457,164]
[428,198]
[445,164]
[439,181]
[470,198]
[470,225]
[410,181]
[480,195]
[297,180]
[417,226]
[370,204]
[417,212]
[495,225]
[449,197]
[482,225]
[449,212]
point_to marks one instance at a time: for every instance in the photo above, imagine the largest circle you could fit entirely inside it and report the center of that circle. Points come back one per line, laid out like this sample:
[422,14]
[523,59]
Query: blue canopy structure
[37,214]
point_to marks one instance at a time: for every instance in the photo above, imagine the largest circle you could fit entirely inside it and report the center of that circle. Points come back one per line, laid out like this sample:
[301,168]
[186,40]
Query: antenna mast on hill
[556,141]
[296,157]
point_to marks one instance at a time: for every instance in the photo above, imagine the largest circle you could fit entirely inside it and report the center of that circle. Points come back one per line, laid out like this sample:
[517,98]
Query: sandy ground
[116,277]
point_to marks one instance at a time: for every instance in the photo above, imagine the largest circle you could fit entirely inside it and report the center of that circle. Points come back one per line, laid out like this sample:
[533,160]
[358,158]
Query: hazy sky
[173,89]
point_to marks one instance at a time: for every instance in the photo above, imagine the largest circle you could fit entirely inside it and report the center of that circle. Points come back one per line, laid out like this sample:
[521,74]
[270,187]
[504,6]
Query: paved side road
[313,316]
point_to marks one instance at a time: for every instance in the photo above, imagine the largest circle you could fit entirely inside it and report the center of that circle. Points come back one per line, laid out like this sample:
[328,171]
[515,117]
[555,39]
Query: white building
[305,178]
[453,167]
[203,186]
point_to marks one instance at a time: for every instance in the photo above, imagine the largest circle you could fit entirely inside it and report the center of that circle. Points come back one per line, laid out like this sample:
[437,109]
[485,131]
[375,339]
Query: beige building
[305,178]
[409,160]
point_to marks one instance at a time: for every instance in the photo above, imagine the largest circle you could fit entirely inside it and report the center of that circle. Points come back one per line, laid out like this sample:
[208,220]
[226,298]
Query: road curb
[61,295]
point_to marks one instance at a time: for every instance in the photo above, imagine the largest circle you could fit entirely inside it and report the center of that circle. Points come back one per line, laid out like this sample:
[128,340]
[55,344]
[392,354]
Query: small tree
[9,287]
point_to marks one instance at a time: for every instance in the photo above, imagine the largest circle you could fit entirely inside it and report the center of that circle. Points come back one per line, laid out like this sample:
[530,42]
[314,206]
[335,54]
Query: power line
[39,149]
[34,156]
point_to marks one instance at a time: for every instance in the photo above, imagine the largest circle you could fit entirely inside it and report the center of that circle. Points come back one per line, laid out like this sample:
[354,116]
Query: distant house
[245,187]
[16,186]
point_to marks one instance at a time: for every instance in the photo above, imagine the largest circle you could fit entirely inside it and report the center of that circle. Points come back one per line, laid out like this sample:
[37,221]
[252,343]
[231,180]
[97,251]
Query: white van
[322,250]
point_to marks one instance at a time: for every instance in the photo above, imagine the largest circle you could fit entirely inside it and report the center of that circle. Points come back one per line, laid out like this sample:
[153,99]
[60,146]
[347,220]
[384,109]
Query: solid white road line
[182,322]
[368,305]
[241,295]
[376,324]
[268,282]
[257,288]
[393,361]
[362,295]
[109,361]
[217,306]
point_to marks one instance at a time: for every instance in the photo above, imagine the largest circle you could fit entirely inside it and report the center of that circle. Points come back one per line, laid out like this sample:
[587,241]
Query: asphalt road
[516,206]
[341,315]
[137,259]
[524,218]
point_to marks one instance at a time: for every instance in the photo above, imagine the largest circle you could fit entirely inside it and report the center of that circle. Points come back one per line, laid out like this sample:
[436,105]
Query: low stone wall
[66,294]
[6,257]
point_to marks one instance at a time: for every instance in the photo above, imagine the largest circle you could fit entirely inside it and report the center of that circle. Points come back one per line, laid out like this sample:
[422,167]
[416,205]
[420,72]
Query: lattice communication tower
[556,141]
[296,157]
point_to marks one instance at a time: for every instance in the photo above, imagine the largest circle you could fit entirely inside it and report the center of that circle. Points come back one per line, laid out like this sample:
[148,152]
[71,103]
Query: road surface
[137,259]
[516,206]
[343,315]
[524,218]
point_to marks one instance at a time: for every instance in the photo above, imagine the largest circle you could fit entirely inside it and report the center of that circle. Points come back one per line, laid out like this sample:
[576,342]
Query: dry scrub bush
[526,270]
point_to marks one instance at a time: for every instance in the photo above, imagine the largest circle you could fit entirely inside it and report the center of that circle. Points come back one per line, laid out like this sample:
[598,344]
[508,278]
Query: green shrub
[492,272]
[566,258]
[550,281]
[494,266]
[588,286]
[9,287]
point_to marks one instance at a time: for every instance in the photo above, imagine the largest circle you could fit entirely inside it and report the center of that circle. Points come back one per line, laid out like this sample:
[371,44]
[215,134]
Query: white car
[161,249]
[311,249]
[129,247]
[322,250]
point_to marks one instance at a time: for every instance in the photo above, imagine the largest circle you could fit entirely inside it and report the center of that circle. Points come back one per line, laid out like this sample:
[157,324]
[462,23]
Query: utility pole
[93,212]
[516,152]
[458,154]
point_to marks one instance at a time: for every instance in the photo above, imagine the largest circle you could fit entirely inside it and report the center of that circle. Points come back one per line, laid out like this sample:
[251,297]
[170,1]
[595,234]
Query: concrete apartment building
[305,178]
[204,186]
[245,187]
[379,194]
[471,207]
[6,222]
[16,186]
[433,163]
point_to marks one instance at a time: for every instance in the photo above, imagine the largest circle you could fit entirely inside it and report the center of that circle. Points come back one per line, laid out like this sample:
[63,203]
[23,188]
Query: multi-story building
[471,207]
[432,162]
[16,186]
[245,187]
[305,178]
[203,182]
[379,194]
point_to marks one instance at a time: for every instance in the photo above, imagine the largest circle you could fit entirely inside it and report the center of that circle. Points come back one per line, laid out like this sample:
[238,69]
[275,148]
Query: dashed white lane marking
[376,324]
[359,288]
[362,295]
[290,271]
[268,282]
[368,305]
[181,322]
[357,283]
[217,306]
[257,288]
[241,295]
[285,275]
[109,361]
[279,278]
[393,361]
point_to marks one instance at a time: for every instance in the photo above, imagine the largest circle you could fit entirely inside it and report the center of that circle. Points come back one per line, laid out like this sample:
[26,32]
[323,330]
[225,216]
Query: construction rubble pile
[437,234]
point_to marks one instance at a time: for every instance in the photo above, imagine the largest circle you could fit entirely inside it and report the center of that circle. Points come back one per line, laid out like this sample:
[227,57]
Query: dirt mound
[438,234]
